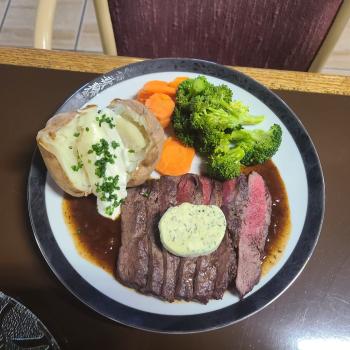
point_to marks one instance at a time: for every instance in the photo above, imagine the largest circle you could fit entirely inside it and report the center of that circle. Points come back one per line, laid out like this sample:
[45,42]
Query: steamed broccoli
[183,128]
[206,118]
[258,145]
[202,107]
[223,166]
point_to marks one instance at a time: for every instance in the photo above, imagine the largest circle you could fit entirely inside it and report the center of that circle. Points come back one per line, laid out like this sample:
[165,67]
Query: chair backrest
[281,34]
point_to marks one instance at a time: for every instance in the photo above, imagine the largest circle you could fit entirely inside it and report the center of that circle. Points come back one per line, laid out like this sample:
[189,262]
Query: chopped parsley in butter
[190,230]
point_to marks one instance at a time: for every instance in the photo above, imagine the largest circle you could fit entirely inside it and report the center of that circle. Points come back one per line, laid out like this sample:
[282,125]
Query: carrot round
[162,106]
[176,159]
[165,122]
[177,81]
[155,86]
[143,95]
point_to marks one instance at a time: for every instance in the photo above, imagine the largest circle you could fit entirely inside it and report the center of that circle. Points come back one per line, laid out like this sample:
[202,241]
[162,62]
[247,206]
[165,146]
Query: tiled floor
[75,28]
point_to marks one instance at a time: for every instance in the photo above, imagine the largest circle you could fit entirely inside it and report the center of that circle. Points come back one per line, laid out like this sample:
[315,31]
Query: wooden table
[314,313]
[92,63]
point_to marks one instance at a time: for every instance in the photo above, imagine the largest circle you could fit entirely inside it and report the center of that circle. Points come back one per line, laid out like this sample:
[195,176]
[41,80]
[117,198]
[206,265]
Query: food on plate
[177,81]
[251,147]
[206,118]
[153,87]
[190,230]
[150,268]
[252,229]
[162,106]
[158,96]
[152,132]
[183,236]
[176,158]
[102,151]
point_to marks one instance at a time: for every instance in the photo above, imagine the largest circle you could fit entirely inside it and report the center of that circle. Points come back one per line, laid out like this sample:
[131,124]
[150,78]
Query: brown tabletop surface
[314,310]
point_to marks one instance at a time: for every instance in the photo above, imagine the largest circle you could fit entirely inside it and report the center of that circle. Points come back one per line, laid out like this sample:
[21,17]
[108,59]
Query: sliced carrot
[165,122]
[155,86]
[162,106]
[177,81]
[176,159]
[143,95]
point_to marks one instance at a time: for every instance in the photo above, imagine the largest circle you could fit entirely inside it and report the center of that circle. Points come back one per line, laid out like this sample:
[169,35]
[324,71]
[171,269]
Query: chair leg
[43,24]
[105,27]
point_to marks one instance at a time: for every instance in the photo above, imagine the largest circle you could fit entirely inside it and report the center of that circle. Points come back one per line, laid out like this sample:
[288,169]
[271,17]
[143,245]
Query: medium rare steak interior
[144,264]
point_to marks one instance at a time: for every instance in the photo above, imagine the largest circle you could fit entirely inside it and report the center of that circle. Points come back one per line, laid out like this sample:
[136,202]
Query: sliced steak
[234,202]
[132,266]
[155,254]
[148,267]
[206,265]
[188,190]
[226,260]
[252,232]
[167,198]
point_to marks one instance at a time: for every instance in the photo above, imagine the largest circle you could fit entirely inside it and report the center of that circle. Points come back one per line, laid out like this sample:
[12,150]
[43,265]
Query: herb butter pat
[190,230]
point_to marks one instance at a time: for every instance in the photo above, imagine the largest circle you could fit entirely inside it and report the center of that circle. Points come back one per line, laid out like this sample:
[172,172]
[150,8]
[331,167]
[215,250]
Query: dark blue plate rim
[116,311]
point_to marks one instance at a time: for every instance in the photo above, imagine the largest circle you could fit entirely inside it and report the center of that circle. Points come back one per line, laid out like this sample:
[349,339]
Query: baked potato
[69,145]
[152,130]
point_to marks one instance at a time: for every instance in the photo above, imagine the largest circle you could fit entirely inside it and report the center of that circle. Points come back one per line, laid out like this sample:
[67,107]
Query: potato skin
[141,173]
[52,164]
[156,136]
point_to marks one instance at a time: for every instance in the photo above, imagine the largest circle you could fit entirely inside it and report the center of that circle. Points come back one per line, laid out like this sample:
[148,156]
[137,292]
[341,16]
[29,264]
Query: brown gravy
[97,238]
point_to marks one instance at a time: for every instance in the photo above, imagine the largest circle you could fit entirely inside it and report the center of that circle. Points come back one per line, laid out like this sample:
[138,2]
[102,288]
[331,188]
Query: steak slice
[167,198]
[132,265]
[206,269]
[188,190]
[155,254]
[226,260]
[252,232]
[235,198]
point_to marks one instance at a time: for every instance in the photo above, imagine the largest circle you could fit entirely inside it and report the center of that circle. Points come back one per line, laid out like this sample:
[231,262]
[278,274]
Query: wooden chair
[280,34]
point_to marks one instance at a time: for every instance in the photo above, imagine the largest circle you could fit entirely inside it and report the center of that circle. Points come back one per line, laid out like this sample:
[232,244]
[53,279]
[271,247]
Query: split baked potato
[64,144]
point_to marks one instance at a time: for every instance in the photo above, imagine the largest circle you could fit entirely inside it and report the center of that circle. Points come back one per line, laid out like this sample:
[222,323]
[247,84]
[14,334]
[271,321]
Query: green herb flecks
[101,149]
[105,119]
[131,151]
[114,144]
[76,134]
[106,192]
[79,165]
[107,186]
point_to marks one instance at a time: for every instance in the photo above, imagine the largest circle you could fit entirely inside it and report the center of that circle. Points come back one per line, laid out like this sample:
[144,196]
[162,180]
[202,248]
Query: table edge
[99,63]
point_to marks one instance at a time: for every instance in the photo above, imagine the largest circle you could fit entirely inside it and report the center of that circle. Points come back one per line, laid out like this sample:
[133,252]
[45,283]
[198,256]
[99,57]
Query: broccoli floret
[212,113]
[258,145]
[210,141]
[182,127]
[207,119]
[225,165]
[188,89]
[242,113]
